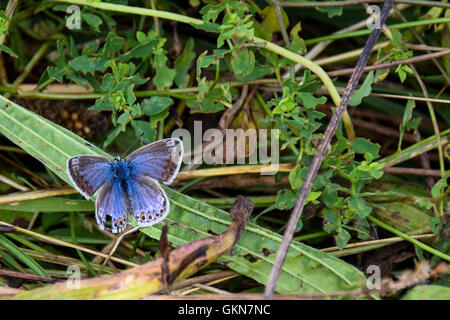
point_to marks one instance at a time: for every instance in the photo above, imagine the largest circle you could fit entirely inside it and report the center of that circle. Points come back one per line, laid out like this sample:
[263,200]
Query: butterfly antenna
[128,149]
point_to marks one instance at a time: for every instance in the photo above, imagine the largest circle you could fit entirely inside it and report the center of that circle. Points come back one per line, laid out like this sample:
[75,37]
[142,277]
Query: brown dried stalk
[158,274]
[318,157]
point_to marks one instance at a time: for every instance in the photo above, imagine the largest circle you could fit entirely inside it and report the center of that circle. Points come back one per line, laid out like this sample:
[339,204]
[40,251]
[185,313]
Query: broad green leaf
[113,44]
[360,206]
[403,216]
[243,64]
[164,75]
[183,63]
[306,270]
[155,105]
[93,20]
[428,292]
[54,204]
[310,101]
[83,64]
[331,11]
[145,129]
[361,145]
[270,22]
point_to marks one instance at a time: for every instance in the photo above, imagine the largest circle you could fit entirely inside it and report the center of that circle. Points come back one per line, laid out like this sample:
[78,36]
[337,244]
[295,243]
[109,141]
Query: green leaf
[407,114]
[297,44]
[164,76]
[428,292]
[83,64]
[93,20]
[403,216]
[361,207]
[285,199]
[297,176]
[310,101]
[141,50]
[438,189]
[183,63]
[436,225]
[332,11]
[155,105]
[14,250]
[363,91]
[342,238]
[145,129]
[54,204]
[306,269]
[361,145]
[243,63]
[8,51]
[113,44]
[270,22]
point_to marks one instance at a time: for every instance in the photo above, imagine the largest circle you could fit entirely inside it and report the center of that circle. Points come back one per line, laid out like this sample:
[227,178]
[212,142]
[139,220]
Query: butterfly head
[117,159]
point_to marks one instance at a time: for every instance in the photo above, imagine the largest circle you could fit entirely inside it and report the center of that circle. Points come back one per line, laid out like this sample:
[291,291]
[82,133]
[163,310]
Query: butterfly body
[128,189]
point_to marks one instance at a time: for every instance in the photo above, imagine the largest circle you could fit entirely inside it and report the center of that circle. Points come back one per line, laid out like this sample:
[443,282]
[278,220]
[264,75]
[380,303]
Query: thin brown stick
[374,242]
[423,57]
[396,96]
[46,193]
[203,279]
[413,171]
[114,248]
[318,157]
[26,276]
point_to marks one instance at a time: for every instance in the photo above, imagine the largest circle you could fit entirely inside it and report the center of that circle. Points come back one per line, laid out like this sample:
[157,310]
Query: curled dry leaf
[156,275]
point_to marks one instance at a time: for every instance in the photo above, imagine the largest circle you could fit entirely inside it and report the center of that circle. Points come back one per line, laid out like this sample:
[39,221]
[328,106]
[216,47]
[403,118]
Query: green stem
[75,242]
[26,242]
[421,147]
[29,67]
[310,236]
[410,239]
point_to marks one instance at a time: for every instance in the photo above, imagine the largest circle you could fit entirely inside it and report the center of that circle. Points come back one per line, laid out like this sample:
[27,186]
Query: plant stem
[409,238]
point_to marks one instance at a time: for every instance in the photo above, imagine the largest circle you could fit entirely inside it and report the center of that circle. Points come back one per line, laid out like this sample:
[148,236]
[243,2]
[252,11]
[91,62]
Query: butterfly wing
[110,207]
[89,173]
[160,160]
[149,201]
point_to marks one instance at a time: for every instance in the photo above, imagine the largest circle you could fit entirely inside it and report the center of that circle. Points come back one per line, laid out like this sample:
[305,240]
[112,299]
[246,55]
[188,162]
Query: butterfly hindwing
[150,204]
[160,160]
[89,173]
[110,208]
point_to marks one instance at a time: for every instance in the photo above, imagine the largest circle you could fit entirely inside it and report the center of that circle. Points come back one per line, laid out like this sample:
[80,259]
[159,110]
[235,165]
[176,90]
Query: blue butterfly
[128,188]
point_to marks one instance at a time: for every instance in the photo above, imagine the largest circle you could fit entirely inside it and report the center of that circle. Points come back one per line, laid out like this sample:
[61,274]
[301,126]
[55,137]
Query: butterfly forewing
[160,160]
[89,173]
[149,201]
